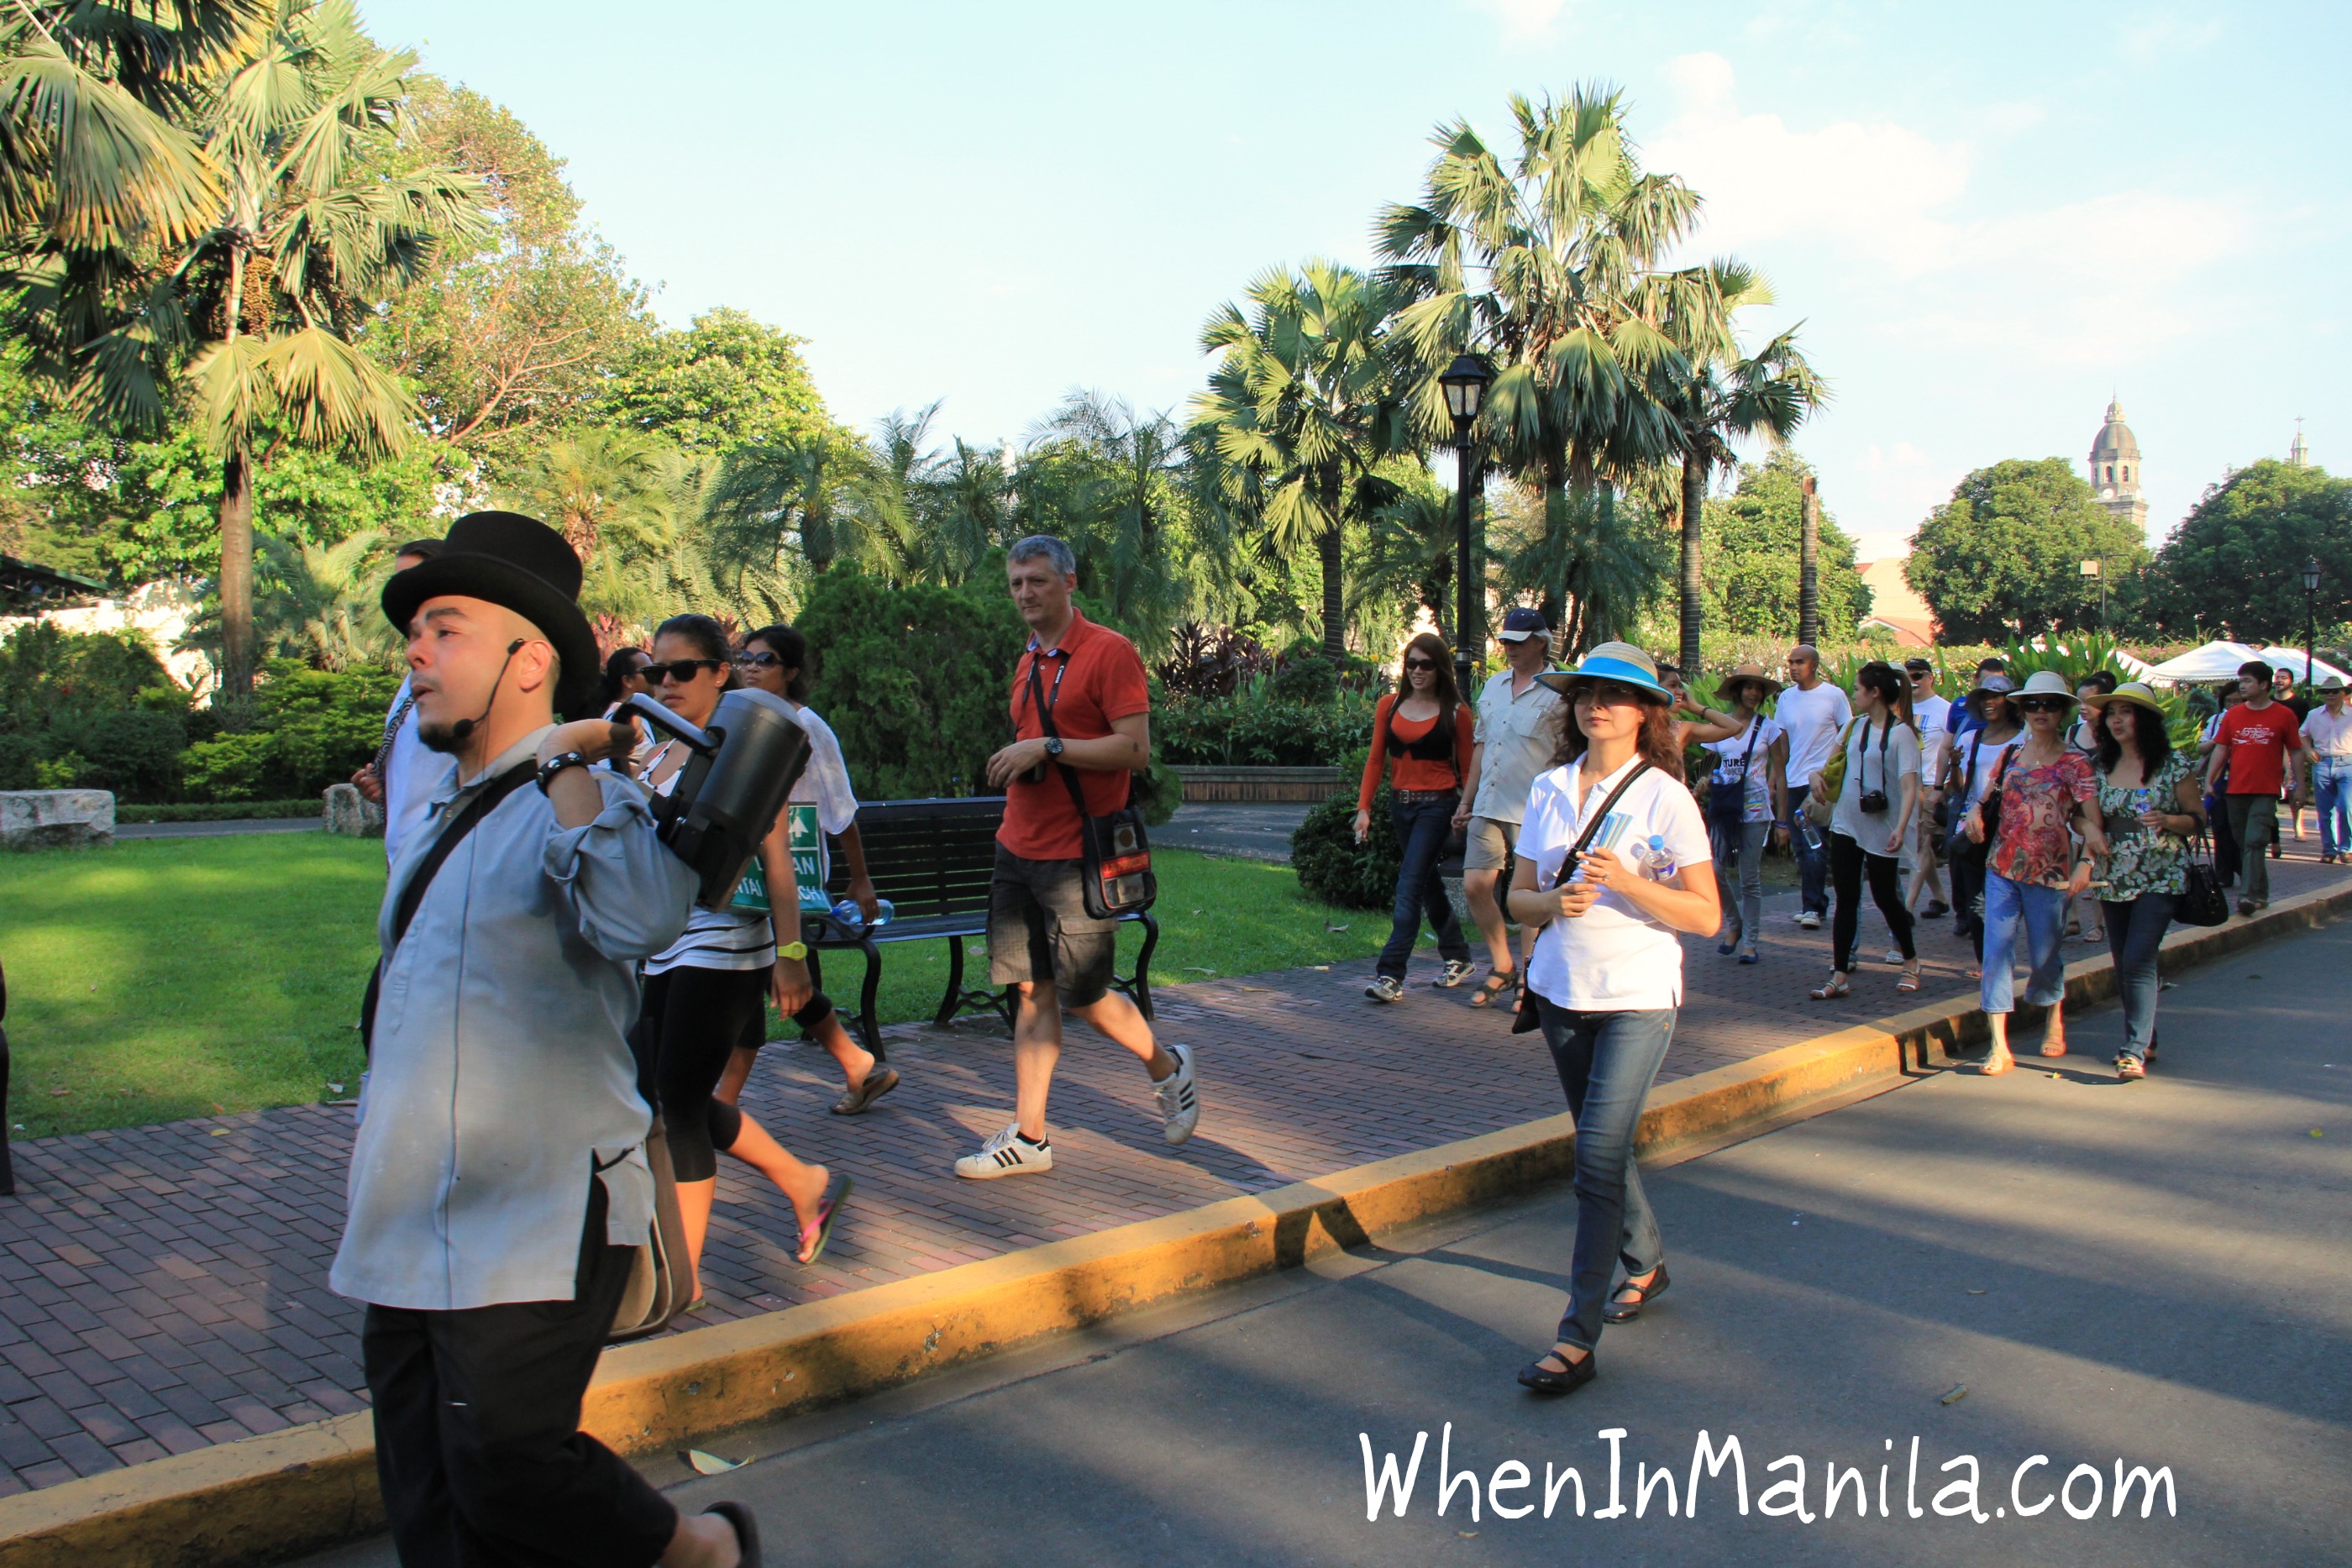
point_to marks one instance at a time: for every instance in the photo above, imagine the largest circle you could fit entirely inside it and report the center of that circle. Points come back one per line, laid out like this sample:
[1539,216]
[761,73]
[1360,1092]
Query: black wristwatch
[1053,745]
[557,764]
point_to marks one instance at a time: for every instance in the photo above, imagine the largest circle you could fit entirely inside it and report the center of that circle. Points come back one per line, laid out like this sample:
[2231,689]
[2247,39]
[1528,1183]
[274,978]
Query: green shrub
[232,767]
[1159,791]
[303,730]
[1250,729]
[134,752]
[221,811]
[1333,867]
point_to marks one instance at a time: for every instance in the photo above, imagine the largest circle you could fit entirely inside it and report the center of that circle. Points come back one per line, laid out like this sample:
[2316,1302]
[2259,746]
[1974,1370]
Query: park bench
[932,860]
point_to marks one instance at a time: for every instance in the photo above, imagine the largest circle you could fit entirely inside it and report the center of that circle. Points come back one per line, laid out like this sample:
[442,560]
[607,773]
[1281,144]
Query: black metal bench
[932,860]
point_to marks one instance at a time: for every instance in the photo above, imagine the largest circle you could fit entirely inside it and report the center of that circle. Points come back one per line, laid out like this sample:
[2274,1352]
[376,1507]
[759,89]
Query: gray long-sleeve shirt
[501,1082]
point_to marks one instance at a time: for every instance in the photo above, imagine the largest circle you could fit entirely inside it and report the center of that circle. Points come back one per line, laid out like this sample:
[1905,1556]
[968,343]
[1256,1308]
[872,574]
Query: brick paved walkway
[163,1288]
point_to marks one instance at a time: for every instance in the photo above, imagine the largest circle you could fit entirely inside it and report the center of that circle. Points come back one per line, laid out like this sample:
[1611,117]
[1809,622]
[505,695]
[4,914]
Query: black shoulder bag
[1527,1018]
[1114,851]
[2202,901]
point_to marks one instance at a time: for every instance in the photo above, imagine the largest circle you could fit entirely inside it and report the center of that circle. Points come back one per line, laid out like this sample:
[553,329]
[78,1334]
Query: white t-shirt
[1613,958]
[1935,717]
[1812,720]
[2330,735]
[1730,755]
[412,771]
[1864,771]
[823,784]
[1988,755]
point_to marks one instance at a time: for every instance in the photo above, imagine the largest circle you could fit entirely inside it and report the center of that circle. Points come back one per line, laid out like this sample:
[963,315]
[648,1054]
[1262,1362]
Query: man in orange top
[1041,941]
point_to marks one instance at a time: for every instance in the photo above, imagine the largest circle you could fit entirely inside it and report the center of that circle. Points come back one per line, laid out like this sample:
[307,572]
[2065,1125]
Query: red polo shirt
[1100,679]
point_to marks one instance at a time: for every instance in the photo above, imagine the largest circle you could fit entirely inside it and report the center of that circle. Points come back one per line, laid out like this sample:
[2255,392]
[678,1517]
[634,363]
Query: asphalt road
[216,830]
[2157,1273]
[1247,830]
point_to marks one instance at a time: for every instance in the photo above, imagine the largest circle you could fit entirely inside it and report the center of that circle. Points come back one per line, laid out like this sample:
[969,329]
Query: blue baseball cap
[1619,661]
[1522,622]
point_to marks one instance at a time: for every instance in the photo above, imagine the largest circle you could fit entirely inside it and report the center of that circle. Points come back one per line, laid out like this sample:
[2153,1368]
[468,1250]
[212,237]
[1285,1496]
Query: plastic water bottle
[849,917]
[1809,834]
[1657,858]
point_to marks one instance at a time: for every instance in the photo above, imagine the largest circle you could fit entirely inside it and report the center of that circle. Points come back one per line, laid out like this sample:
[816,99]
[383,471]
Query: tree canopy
[2004,556]
[1751,543]
[2235,568]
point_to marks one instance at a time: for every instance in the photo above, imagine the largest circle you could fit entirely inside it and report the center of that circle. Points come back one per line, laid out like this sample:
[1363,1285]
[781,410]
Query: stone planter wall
[351,813]
[1310,785]
[56,819]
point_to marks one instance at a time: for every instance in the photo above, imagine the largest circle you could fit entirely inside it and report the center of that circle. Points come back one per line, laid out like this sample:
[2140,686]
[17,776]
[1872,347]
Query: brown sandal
[1496,982]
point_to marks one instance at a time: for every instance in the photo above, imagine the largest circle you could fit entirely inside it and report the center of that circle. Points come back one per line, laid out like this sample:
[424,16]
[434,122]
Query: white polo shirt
[1613,958]
[2330,735]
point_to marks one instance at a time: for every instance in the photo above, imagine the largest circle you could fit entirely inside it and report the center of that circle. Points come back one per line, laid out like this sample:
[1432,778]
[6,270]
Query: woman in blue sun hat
[1613,866]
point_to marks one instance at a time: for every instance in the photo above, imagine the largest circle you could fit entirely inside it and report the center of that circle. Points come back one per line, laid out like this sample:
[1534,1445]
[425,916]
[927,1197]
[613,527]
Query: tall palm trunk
[1809,568]
[237,572]
[1335,610]
[1694,605]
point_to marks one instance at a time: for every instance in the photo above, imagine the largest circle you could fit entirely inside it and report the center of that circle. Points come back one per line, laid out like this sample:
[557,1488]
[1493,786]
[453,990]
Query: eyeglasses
[1421,664]
[762,661]
[2041,705]
[679,670]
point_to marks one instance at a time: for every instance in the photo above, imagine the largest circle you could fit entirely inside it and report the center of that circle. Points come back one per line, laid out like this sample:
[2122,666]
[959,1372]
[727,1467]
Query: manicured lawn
[170,977]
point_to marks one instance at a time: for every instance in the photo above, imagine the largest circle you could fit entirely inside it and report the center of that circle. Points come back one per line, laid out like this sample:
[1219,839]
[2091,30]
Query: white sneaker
[1456,971]
[1808,920]
[1006,1153]
[1386,989]
[1180,1102]
[1895,956]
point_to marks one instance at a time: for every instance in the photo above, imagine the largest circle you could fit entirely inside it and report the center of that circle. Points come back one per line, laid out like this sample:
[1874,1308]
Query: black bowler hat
[520,564]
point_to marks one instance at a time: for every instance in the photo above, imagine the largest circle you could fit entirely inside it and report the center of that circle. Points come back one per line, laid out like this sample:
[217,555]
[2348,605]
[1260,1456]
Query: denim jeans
[2331,778]
[2253,823]
[1743,923]
[2037,913]
[2135,931]
[1422,828]
[1607,1061]
[1812,865]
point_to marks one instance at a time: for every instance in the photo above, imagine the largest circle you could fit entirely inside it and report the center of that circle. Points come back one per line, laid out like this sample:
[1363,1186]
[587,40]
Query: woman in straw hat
[2032,869]
[1613,861]
[1748,792]
[2148,804]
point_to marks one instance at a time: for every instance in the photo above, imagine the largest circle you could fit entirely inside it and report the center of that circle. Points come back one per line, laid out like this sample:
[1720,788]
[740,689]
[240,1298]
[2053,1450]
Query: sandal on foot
[1496,982]
[2129,1068]
[1993,1064]
[1537,1378]
[814,1235]
[2060,1052]
[1910,980]
[1832,991]
[1624,1311]
[879,1081]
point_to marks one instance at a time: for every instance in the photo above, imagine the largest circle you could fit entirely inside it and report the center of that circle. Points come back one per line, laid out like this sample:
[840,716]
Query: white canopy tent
[2218,662]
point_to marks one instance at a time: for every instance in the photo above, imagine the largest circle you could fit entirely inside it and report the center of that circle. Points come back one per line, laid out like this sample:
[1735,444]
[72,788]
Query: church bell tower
[2114,469]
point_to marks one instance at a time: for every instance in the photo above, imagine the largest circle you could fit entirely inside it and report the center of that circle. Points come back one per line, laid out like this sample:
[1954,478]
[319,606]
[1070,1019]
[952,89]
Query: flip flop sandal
[837,1192]
[1496,982]
[879,1082]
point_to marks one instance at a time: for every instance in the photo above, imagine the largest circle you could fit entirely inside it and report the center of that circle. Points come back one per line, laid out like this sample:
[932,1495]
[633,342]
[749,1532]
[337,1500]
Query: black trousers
[478,1441]
[1848,864]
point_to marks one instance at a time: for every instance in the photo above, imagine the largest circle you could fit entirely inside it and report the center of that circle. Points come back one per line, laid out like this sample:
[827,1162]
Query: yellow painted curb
[267,1499]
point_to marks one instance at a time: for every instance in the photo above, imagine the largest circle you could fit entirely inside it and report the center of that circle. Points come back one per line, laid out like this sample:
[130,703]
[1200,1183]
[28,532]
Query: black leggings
[690,1024]
[1848,862]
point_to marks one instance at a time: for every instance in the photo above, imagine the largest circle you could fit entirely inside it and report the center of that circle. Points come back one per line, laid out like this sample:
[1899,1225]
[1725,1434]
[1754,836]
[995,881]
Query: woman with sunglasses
[774,660]
[2045,794]
[1606,977]
[709,988]
[624,677]
[1422,737]
[1871,822]
[2149,804]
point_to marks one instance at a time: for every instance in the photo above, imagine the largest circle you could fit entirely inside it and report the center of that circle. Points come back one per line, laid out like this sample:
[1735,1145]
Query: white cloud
[2168,34]
[1523,19]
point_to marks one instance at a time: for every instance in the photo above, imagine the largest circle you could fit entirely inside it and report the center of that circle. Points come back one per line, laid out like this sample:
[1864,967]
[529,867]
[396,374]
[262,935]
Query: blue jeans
[1606,1062]
[2135,931]
[1812,865]
[2039,914]
[1422,829]
[2331,778]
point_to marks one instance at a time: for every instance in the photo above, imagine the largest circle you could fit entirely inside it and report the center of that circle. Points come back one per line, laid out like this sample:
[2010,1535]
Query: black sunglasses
[1421,664]
[680,670]
[2041,705]
[762,661]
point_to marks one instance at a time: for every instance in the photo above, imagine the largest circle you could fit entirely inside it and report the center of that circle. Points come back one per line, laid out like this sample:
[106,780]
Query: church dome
[2116,440]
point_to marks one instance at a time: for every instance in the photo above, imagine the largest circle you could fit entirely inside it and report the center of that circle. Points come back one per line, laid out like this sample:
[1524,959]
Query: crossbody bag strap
[1045,707]
[1592,824]
[465,823]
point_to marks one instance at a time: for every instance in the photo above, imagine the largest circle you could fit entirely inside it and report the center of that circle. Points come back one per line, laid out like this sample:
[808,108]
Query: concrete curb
[267,1499]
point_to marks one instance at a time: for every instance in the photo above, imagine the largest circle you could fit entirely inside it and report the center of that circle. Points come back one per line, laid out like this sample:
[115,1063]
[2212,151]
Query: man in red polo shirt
[2257,742]
[1041,940]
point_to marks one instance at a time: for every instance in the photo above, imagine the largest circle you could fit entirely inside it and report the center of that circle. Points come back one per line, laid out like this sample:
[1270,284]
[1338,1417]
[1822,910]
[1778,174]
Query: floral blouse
[2140,861]
[2035,845]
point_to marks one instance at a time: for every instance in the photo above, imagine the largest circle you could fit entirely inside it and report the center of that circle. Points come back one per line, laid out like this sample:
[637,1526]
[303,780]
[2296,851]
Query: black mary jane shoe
[1618,1312]
[1537,1378]
[747,1531]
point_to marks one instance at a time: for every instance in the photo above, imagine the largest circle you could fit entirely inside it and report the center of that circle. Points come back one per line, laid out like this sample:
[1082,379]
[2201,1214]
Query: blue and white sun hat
[1619,661]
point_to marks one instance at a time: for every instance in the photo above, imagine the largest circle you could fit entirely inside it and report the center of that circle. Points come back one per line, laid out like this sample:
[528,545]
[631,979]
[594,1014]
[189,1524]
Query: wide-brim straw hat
[1619,661]
[2330,682]
[2139,693]
[2048,684]
[1993,686]
[1740,672]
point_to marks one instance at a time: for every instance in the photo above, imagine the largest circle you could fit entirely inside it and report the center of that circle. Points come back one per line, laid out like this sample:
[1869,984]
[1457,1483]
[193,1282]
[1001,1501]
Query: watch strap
[795,951]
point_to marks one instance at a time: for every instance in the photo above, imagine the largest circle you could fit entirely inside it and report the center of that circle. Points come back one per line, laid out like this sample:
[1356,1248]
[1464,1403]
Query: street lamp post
[1464,380]
[2097,569]
[2310,618]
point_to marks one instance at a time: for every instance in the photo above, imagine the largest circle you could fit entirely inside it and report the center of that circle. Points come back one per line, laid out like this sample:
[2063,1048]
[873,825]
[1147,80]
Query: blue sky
[1989,217]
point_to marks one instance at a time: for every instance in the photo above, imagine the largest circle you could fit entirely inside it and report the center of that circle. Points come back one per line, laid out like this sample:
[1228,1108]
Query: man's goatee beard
[441,737]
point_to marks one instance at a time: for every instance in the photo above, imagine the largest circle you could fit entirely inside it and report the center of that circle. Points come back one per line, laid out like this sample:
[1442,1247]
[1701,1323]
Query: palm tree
[1721,394]
[1595,562]
[1299,413]
[793,506]
[320,214]
[1408,551]
[1118,485]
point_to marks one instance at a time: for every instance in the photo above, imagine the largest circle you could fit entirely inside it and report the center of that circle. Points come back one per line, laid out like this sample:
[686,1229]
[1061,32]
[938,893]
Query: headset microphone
[466,726]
